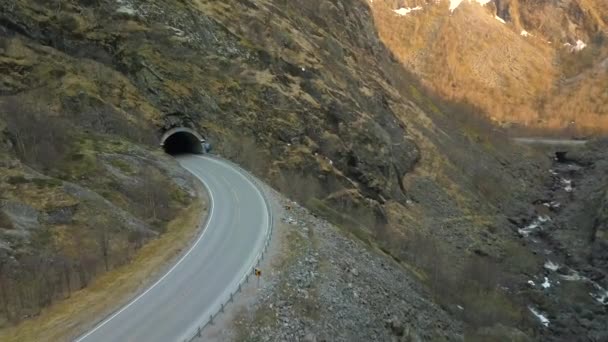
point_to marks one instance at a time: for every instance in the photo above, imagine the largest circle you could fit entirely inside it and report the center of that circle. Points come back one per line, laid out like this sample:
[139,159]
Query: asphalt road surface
[235,231]
[550,142]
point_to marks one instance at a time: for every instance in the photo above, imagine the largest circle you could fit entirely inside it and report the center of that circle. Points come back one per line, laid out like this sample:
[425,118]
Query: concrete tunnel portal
[182,140]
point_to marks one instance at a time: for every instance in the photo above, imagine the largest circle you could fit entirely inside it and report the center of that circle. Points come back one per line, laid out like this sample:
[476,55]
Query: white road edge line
[99,326]
[269,222]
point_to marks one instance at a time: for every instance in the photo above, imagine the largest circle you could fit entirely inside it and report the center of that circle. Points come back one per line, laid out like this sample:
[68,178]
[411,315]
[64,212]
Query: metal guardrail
[197,333]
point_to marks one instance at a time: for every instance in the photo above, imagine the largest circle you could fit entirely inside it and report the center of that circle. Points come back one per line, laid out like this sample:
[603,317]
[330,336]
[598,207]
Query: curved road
[193,289]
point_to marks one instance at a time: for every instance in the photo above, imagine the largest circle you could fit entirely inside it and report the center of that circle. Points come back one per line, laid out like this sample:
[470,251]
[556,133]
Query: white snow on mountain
[455,3]
[580,45]
[500,19]
[403,11]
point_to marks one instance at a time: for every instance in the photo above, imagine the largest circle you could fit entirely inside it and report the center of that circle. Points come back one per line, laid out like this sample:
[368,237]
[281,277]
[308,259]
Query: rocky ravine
[569,295]
[303,94]
[320,285]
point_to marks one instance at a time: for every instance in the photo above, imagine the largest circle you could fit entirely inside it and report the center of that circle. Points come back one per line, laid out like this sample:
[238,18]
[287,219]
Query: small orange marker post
[258,274]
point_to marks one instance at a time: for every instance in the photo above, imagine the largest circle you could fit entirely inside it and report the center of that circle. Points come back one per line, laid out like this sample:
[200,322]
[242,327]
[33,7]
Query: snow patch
[551,266]
[546,284]
[541,317]
[455,3]
[579,46]
[552,205]
[403,11]
[568,185]
[531,283]
[525,33]
[543,219]
[573,276]
[500,19]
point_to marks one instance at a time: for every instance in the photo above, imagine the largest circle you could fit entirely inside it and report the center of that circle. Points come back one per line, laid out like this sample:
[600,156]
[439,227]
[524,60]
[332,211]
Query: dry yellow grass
[64,320]
[468,56]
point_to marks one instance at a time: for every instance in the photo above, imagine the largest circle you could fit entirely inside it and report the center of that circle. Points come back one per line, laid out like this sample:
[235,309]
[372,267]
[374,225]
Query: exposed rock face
[272,96]
[303,93]
[319,99]
[526,64]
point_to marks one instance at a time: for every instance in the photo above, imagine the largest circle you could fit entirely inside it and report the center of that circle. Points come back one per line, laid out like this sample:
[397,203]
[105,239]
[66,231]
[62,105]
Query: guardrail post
[260,257]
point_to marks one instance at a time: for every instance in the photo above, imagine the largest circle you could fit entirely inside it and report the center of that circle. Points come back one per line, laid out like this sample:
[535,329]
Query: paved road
[233,235]
[550,142]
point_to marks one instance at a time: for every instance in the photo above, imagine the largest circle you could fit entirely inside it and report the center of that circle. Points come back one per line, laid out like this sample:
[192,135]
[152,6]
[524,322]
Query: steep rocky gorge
[302,93]
[563,228]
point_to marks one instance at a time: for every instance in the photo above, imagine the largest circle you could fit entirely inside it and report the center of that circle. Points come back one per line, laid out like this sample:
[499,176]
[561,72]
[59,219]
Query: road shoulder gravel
[318,284]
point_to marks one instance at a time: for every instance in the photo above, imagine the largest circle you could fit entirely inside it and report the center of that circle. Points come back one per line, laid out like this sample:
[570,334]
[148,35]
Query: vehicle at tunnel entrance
[182,140]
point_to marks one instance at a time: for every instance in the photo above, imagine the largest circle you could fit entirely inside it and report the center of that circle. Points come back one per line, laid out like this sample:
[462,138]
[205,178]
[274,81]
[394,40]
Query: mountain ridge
[512,59]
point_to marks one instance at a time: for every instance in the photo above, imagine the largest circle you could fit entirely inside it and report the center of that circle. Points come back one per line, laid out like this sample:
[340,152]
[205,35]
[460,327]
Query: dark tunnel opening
[182,143]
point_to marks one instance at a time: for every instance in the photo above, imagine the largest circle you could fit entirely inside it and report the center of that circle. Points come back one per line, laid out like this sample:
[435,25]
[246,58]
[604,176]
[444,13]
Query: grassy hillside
[302,93]
[521,72]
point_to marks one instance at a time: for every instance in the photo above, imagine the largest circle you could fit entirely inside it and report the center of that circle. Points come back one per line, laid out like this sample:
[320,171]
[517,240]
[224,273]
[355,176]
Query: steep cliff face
[318,97]
[536,64]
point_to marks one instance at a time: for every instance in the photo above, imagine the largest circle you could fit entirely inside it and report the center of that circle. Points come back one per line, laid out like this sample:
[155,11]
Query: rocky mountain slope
[538,64]
[302,93]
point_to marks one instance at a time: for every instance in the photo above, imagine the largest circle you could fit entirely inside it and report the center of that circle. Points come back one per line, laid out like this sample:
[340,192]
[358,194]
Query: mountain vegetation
[537,66]
[386,125]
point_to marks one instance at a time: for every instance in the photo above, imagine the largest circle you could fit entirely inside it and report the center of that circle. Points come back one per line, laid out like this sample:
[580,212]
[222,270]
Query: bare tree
[136,238]
[5,269]
[103,240]
[154,189]
[39,139]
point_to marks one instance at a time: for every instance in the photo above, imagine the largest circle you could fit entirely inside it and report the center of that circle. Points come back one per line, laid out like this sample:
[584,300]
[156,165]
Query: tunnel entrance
[182,140]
